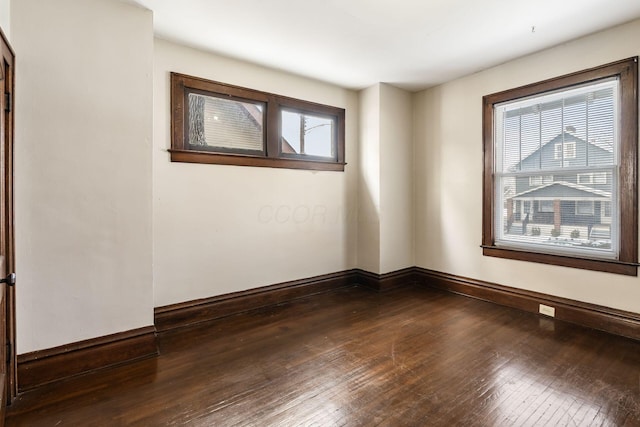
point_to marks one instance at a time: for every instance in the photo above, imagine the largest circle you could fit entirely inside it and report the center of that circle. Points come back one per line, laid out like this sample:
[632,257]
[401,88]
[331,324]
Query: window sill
[608,266]
[191,156]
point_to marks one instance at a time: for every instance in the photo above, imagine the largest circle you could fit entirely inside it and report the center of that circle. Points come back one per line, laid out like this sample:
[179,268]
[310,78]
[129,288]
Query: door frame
[8,242]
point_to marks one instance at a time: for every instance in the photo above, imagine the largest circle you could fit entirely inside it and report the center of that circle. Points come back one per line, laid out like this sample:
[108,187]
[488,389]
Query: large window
[218,123]
[567,146]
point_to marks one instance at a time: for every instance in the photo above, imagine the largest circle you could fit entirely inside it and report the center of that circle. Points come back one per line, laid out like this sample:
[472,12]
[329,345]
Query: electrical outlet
[547,311]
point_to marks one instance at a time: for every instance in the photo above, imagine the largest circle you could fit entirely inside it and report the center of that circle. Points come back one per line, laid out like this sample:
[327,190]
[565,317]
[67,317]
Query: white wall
[220,229]
[83,169]
[448,174]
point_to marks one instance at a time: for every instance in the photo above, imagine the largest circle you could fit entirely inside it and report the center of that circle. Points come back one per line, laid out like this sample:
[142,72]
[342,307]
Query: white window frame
[536,180]
[570,150]
[600,178]
[585,178]
[557,155]
[546,204]
[591,208]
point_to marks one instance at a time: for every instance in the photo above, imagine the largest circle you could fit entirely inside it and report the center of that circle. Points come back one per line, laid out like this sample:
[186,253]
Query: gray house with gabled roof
[571,198]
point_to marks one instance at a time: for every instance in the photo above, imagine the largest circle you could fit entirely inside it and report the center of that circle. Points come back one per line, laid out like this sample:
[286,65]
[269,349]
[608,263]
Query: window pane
[546,206]
[601,127]
[550,128]
[225,124]
[530,139]
[585,178]
[571,128]
[570,134]
[306,134]
[510,137]
[575,125]
[556,216]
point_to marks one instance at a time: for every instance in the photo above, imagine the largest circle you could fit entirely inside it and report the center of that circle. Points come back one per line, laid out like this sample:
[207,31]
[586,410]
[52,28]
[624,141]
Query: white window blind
[571,135]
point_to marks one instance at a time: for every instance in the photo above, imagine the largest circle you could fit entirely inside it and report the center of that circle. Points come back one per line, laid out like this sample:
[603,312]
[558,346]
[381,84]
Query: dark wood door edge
[8,250]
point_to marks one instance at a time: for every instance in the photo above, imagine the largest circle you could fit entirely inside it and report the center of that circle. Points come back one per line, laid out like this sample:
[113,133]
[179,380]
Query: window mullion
[273,128]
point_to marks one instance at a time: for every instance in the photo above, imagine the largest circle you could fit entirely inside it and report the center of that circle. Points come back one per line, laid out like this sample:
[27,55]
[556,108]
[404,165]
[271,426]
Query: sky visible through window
[317,136]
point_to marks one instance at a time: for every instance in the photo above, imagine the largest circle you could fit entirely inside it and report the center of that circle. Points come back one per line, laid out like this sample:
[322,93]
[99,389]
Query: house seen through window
[559,183]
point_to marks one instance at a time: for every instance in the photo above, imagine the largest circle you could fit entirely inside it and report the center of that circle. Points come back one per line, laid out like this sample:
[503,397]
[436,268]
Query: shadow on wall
[368,231]
[428,134]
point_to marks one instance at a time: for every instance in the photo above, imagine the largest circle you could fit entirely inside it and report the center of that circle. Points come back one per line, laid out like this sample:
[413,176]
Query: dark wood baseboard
[202,310]
[386,281]
[58,363]
[45,366]
[594,316]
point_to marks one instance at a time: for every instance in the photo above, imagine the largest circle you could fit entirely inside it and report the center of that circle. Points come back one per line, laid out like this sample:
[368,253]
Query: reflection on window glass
[225,123]
[306,134]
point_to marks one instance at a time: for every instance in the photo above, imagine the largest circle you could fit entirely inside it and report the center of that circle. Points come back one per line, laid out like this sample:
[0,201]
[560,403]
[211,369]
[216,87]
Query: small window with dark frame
[218,123]
[581,128]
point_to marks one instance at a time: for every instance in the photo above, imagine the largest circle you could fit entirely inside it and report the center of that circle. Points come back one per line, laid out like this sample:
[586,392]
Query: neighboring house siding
[226,124]
[569,188]
[545,157]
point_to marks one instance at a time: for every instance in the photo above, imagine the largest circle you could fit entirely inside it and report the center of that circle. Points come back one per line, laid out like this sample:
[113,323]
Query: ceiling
[412,44]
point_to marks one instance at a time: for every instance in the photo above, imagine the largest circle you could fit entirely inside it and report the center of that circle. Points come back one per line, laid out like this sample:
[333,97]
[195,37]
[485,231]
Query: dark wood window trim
[627,262]
[272,156]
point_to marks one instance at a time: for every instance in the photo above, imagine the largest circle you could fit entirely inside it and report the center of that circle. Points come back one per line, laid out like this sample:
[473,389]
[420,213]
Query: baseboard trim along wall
[45,366]
[206,309]
[386,281]
[594,316]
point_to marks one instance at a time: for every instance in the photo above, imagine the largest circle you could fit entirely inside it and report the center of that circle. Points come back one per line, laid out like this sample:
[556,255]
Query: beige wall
[83,169]
[107,227]
[220,229]
[5,21]
[385,196]
[396,181]
[368,249]
[448,174]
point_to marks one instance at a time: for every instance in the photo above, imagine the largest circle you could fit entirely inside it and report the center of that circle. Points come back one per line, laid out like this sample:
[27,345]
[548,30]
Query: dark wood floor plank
[355,357]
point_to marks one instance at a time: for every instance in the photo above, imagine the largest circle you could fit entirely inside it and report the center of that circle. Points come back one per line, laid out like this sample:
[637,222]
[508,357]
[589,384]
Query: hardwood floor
[354,357]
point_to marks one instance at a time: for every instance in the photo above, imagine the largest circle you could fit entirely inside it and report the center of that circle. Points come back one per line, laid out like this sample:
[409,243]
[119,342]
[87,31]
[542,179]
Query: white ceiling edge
[410,44]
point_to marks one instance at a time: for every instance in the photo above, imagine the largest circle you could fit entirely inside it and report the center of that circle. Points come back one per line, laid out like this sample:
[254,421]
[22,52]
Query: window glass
[566,202]
[560,170]
[546,205]
[225,124]
[307,134]
[219,123]
[585,207]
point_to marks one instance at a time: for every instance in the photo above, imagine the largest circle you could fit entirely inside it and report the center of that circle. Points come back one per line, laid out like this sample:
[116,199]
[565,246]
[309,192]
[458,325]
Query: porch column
[556,214]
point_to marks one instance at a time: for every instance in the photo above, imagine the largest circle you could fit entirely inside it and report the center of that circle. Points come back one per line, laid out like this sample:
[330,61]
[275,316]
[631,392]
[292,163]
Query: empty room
[339,213]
